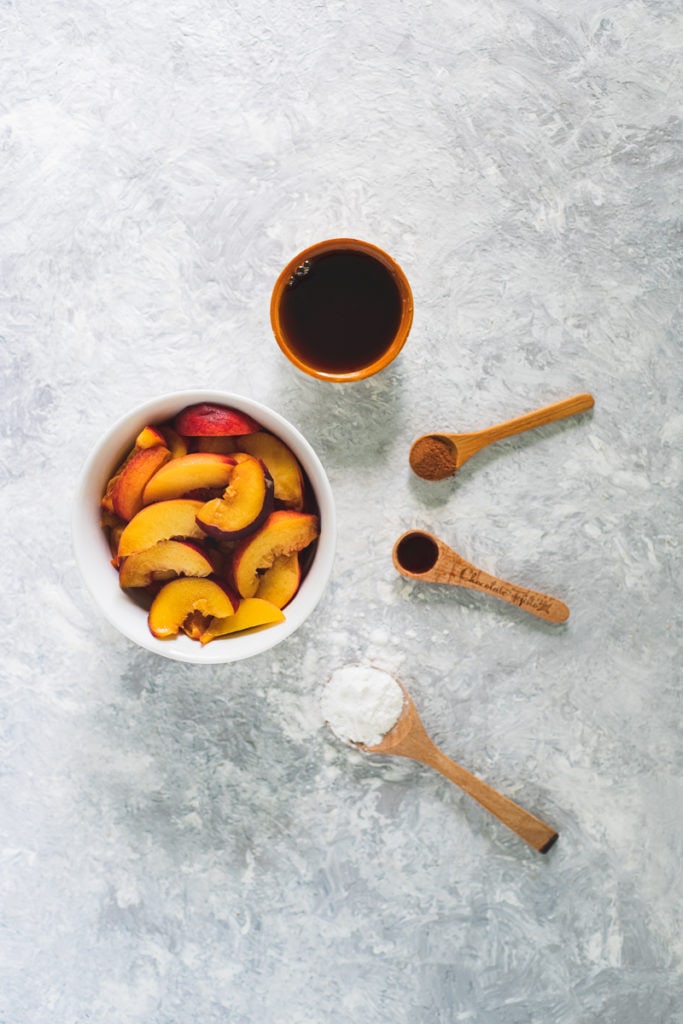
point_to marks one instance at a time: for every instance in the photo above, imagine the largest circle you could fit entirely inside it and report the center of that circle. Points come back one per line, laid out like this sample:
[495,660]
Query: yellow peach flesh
[280,463]
[166,520]
[181,598]
[188,473]
[149,437]
[246,502]
[282,533]
[164,560]
[280,583]
[253,613]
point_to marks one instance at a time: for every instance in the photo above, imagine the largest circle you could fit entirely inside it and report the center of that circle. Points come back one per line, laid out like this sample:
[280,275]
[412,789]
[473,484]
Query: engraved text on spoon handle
[543,605]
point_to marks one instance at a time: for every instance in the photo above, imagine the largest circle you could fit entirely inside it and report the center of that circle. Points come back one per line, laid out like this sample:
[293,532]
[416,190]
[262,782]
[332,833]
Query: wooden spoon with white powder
[371,710]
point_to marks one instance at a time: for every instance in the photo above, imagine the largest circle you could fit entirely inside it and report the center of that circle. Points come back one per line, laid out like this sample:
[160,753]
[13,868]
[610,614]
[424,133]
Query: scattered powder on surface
[361,704]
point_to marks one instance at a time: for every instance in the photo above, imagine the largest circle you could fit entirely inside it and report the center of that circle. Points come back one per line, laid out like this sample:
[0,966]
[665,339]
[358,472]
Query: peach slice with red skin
[165,520]
[148,437]
[207,419]
[127,491]
[106,501]
[252,614]
[164,561]
[246,501]
[284,532]
[281,464]
[280,583]
[188,473]
[181,601]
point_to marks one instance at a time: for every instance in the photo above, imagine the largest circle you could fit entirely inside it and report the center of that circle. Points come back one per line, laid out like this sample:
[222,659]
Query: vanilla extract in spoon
[419,555]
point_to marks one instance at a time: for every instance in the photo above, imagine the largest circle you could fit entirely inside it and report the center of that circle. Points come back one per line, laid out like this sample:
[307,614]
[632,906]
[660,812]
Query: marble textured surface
[182,844]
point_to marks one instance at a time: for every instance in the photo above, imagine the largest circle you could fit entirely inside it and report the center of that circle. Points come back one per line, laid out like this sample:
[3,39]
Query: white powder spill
[361,704]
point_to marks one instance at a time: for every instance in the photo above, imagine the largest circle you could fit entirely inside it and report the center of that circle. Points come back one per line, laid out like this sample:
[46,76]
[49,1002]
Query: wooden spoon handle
[538,418]
[462,574]
[529,828]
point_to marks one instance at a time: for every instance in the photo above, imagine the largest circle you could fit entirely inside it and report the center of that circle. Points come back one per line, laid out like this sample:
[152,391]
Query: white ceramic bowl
[94,557]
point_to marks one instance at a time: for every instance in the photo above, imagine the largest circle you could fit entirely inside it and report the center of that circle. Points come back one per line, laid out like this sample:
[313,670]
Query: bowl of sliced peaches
[204,527]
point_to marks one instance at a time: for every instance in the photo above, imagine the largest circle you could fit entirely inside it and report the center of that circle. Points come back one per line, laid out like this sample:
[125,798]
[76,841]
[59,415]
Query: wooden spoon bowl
[419,555]
[409,738]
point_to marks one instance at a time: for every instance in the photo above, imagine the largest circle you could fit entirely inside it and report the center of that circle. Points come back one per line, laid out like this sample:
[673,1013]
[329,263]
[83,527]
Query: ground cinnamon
[433,458]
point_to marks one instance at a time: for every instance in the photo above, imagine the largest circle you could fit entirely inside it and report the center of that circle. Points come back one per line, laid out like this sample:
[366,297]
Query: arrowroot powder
[361,704]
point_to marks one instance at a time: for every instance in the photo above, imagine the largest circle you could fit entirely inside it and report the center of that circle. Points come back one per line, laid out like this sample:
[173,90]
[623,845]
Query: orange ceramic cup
[341,310]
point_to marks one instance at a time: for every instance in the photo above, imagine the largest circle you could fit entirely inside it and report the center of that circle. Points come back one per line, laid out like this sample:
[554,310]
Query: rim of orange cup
[402,331]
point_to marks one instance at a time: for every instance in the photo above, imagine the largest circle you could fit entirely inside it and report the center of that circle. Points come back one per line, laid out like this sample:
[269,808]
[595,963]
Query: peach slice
[150,437]
[165,520]
[220,445]
[281,464]
[206,419]
[107,502]
[114,538]
[245,503]
[173,440]
[179,600]
[188,473]
[252,614]
[127,491]
[283,532]
[280,583]
[109,518]
[164,561]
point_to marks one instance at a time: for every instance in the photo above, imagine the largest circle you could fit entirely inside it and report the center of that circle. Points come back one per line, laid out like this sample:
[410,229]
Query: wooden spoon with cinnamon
[419,555]
[437,456]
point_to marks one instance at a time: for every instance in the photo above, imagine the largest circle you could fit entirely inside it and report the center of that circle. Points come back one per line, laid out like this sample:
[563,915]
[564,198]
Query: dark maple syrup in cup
[341,310]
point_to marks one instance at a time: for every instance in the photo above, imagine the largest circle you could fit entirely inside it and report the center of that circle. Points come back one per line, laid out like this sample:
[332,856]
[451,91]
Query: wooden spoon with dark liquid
[409,738]
[419,555]
[437,456]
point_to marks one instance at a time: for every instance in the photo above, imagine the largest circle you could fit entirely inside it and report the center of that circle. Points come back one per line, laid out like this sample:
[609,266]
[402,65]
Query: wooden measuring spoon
[409,738]
[419,555]
[436,456]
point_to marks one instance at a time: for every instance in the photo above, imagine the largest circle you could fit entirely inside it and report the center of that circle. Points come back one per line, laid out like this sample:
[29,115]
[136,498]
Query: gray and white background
[187,844]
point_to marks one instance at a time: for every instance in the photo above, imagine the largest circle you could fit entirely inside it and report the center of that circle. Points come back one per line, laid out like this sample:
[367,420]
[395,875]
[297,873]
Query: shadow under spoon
[437,456]
[409,738]
[419,555]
